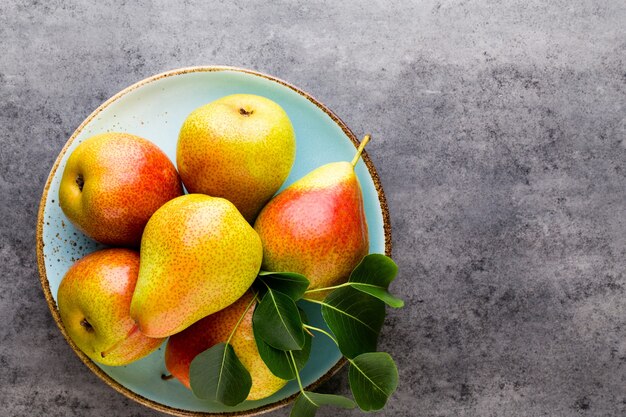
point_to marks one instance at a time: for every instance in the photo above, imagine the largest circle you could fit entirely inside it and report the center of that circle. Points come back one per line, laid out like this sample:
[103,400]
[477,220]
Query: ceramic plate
[155,109]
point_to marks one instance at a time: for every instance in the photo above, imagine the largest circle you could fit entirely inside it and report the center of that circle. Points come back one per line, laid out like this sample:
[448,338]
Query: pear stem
[364,142]
[167,377]
[115,345]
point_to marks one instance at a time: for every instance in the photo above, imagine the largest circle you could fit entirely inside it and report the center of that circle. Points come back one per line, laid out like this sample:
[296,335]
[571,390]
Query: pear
[94,304]
[198,255]
[107,172]
[240,147]
[317,226]
[183,347]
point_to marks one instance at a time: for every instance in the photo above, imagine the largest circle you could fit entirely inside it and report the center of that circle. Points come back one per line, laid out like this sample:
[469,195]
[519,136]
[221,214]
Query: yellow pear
[198,256]
[240,147]
[94,303]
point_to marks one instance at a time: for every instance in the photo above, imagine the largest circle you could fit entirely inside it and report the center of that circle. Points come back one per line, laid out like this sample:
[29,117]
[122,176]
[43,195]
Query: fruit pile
[219,270]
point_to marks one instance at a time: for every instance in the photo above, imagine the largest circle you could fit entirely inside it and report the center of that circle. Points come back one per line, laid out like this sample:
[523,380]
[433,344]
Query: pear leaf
[289,283]
[355,318]
[218,375]
[277,322]
[308,402]
[380,293]
[373,378]
[278,361]
[375,268]
[373,275]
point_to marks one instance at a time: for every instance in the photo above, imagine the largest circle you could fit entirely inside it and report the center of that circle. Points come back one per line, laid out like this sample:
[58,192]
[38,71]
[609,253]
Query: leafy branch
[354,313]
[371,276]
[373,377]
[308,402]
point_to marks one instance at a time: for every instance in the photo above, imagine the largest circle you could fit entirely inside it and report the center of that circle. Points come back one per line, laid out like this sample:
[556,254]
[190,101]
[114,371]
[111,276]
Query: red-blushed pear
[111,185]
[94,304]
[198,256]
[240,147]
[317,226]
[183,347]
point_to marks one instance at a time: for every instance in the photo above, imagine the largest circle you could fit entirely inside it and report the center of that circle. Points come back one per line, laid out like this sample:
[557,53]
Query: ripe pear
[111,185]
[94,304]
[183,347]
[198,255]
[316,226]
[240,147]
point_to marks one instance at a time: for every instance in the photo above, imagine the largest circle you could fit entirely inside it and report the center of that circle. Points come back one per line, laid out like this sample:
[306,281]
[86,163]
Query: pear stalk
[364,142]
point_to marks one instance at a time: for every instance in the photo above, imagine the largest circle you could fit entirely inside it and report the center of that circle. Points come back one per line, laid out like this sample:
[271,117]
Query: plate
[155,109]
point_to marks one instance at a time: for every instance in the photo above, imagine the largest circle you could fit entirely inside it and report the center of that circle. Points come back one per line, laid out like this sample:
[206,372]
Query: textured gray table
[500,136]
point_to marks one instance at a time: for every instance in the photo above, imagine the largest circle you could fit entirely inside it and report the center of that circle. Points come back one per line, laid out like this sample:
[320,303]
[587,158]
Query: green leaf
[218,375]
[355,318]
[308,402]
[278,361]
[375,269]
[373,275]
[373,378]
[380,293]
[303,407]
[277,321]
[329,399]
[289,283]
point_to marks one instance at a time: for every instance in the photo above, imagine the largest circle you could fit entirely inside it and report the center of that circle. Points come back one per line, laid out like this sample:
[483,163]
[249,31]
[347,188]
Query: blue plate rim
[42,267]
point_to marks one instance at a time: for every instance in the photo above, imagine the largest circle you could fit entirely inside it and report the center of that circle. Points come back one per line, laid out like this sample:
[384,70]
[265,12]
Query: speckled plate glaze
[155,109]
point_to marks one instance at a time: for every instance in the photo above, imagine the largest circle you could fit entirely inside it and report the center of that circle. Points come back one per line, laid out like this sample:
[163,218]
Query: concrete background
[500,136]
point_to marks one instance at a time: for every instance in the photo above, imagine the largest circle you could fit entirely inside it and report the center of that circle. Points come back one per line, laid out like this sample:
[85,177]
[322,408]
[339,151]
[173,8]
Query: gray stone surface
[500,136]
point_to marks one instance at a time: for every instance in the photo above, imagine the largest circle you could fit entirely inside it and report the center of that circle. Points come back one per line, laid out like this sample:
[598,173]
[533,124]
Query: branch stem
[311,300]
[317,329]
[334,287]
[240,319]
[295,370]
